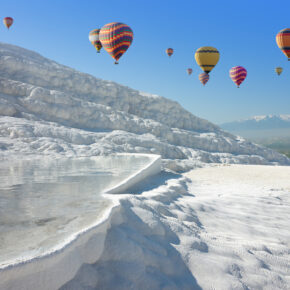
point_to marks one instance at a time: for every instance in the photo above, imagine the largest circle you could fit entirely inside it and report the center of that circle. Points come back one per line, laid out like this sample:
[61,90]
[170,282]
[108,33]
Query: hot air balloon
[203,77]
[116,38]
[207,57]
[8,21]
[278,70]
[189,71]
[94,39]
[238,74]
[283,41]
[169,51]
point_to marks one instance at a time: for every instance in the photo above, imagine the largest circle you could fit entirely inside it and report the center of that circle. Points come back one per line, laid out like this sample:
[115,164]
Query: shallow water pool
[44,202]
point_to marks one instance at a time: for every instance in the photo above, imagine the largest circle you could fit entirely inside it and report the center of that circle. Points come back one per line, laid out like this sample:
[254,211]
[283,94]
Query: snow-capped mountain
[47,108]
[265,122]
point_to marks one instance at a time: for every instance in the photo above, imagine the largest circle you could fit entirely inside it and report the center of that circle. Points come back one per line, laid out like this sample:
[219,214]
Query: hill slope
[47,108]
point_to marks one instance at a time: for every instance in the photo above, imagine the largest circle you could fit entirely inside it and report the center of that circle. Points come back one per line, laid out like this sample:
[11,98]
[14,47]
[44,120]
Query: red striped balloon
[169,51]
[189,71]
[8,21]
[238,74]
[116,38]
[203,77]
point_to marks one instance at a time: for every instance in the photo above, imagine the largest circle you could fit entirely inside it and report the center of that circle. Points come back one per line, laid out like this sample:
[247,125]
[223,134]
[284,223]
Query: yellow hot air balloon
[278,70]
[207,57]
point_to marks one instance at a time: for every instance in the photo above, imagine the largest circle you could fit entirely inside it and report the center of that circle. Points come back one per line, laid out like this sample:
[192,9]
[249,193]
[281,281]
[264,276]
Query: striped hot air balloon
[8,21]
[169,51]
[116,38]
[207,57]
[189,71]
[238,74]
[278,70]
[283,41]
[203,77]
[95,40]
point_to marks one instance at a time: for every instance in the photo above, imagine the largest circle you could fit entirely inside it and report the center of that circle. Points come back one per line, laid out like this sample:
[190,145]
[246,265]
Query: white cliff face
[31,68]
[47,108]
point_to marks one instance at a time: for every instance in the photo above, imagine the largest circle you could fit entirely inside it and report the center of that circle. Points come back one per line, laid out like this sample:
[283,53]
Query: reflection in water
[43,202]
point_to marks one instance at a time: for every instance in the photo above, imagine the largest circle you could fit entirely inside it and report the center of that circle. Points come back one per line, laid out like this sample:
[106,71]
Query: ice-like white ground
[222,227]
[244,214]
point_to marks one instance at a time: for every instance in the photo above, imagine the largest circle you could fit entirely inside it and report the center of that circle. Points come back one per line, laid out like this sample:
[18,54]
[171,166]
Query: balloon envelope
[8,21]
[283,41]
[278,70]
[203,77]
[95,39]
[189,71]
[238,74]
[116,38]
[207,57]
[169,51]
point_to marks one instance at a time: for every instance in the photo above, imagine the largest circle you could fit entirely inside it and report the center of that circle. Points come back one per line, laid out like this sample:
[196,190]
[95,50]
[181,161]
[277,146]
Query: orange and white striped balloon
[283,41]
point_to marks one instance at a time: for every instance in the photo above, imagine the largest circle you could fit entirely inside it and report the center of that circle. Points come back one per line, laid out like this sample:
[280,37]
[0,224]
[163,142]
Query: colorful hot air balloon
[278,70]
[94,39]
[203,77]
[116,38]
[283,41]
[207,57]
[8,21]
[238,74]
[189,71]
[169,51]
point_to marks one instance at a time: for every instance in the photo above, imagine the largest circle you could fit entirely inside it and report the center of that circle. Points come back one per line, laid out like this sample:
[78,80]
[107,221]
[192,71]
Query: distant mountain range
[272,131]
[265,122]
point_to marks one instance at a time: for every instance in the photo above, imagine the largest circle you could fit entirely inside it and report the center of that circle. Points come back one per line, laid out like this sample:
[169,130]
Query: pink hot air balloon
[8,21]
[238,74]
[189,71]
[203,77]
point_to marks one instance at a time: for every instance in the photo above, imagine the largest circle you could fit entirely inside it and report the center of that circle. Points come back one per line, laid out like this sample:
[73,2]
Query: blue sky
[243,31]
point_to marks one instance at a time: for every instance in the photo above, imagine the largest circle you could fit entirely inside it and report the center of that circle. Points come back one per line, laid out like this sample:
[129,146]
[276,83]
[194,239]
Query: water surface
[43,202]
